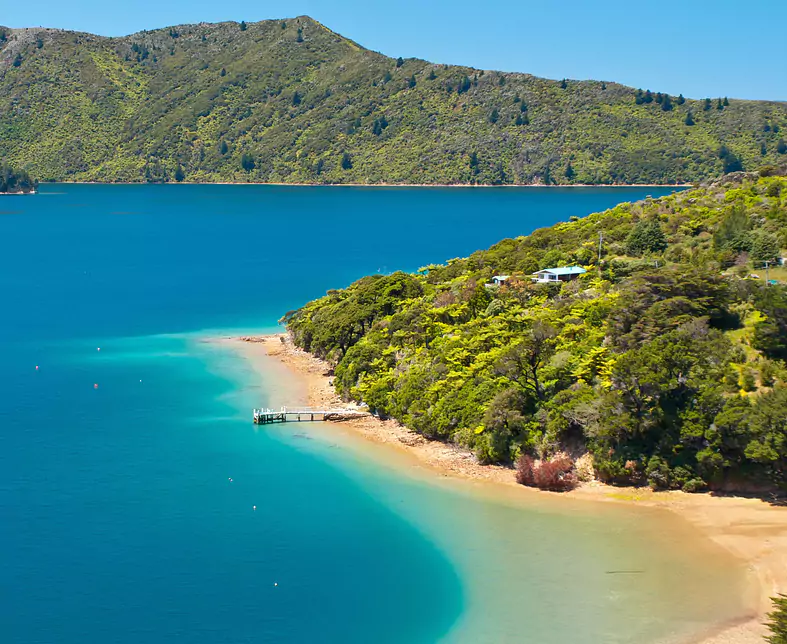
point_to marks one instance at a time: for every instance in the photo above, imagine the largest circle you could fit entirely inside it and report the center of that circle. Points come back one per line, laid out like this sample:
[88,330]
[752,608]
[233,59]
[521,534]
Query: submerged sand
[752,530]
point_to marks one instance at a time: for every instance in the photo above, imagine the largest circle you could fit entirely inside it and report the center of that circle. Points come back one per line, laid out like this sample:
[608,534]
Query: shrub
[658,473]
[556,473]
[694,485]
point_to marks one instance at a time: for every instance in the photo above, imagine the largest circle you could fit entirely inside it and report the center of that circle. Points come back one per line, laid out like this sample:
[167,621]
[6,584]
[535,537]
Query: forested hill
[292,101]
[666,362]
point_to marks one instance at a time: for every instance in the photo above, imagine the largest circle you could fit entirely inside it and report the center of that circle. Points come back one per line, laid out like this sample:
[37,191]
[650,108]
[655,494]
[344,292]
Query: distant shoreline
[371,185]
[750,529]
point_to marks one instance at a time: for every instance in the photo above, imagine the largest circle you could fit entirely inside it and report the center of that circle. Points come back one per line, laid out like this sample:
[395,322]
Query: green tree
[725,102]
[689,118]
[777,623]
[666,103]
[223,148]
[563,84]
[781,146]
[770,334]
[524,362]
[474,163]
[247,162]
[399,61]
[646,237]
[299,37]
[347,163]
[734,231]
[732,163]
[680,100]
[243,25]
[706,105]
[494,115]
[570,171]
[411,82]
[503,422]
[764,246]
[296,98]
[17,60]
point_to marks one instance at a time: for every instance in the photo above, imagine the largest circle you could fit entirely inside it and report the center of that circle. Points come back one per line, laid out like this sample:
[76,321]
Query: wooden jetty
[283,415]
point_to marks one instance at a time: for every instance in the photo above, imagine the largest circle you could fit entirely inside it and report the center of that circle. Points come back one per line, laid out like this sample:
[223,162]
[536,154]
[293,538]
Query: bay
[120,431]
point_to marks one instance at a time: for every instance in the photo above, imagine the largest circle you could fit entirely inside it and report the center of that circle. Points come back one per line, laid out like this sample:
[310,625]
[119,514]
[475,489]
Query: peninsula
[641,345]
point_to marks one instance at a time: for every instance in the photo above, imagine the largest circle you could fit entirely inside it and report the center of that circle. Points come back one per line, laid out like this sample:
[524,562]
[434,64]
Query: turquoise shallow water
[119,521]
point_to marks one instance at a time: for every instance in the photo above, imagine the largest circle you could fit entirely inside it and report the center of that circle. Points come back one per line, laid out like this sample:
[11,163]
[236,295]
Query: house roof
[563,270]
[502,278]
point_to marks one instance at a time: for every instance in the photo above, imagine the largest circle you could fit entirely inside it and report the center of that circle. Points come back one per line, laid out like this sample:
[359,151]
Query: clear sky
[735,48]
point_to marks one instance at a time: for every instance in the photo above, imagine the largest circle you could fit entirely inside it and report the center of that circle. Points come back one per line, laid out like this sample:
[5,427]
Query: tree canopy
[666,363]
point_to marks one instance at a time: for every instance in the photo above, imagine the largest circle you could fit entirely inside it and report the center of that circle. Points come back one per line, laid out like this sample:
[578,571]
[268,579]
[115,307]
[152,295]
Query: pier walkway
[283,415]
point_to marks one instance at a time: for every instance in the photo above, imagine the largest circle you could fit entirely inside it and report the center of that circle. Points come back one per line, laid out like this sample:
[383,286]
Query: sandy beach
[752,530]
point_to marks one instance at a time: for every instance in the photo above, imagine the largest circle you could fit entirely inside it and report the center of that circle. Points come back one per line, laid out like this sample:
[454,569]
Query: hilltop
[662,364]
[292,101]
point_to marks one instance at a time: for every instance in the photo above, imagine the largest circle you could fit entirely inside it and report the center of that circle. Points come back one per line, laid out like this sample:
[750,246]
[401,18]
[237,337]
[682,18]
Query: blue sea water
[120,431]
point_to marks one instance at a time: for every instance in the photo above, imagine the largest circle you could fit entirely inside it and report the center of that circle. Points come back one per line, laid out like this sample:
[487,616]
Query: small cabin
[499,280]
[561,274]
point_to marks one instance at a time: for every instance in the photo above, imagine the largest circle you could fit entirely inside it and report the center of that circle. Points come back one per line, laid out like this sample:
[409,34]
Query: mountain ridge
[291,101]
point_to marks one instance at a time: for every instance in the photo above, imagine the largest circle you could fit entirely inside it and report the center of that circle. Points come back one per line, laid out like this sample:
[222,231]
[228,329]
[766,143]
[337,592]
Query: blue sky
[725,47]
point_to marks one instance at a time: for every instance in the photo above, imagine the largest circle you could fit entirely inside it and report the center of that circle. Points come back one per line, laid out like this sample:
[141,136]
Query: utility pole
[600,239]
[767,263]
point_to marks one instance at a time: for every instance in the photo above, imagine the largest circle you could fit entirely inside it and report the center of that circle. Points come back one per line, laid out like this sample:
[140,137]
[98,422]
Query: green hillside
[666,361]
[291,101]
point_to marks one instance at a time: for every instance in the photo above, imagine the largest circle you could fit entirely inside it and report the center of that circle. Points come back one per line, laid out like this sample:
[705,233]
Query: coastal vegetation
[663,364]
[778,621]
[15,181]
[291,101]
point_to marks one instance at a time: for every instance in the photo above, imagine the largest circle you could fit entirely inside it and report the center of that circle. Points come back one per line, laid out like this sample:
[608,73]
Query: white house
[562,274]
[497,280]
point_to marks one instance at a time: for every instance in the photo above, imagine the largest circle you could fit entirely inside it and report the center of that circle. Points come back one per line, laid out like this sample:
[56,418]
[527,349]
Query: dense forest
[292,101]
[663,364]
[15,181]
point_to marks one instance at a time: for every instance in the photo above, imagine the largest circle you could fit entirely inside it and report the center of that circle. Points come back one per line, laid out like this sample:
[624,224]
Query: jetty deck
[284,414]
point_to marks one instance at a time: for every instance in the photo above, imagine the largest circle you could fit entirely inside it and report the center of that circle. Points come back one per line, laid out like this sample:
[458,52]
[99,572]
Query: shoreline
[750,530]
[372,185]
